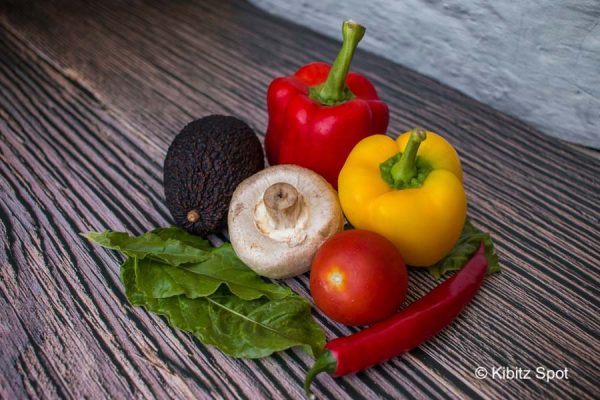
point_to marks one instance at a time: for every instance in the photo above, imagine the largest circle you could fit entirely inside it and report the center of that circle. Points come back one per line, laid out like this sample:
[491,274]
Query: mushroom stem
[283,204]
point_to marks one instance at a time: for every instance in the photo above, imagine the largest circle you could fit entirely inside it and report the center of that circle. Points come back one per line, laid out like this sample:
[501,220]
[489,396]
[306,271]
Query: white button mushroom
[279,217]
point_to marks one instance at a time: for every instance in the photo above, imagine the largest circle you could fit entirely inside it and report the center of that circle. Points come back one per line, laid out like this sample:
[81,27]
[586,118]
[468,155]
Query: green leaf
[210,293]
[176,233]
[240,328]
[467,245]
[160,280]
[134,296]
[248,329]
[170,245]
[225,266]
[175,262]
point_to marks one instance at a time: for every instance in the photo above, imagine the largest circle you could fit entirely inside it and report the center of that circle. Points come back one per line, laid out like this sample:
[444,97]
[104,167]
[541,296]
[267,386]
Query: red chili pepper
[405,330]
[317,115]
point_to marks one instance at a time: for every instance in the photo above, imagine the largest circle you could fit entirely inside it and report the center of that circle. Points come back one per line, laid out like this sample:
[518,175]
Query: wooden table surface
[91,94]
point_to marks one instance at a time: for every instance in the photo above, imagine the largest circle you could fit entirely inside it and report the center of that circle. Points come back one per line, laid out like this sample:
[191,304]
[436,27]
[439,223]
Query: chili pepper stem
[406,168]
[334,90]
[326,362]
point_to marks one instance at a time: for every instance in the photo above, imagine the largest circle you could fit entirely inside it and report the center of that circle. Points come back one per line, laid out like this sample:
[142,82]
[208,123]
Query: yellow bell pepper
[408,190]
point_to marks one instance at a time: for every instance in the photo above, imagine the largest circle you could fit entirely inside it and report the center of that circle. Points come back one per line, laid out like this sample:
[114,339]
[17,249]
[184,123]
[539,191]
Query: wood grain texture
[91,96]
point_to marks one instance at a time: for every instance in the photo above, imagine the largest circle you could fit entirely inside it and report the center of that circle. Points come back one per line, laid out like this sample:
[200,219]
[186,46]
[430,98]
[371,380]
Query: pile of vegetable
[330,161]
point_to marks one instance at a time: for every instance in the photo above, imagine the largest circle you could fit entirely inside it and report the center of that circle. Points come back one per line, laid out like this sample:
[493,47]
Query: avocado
[204,165]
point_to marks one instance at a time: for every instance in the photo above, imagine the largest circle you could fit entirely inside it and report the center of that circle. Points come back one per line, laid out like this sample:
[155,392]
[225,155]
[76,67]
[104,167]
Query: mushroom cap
[283,253]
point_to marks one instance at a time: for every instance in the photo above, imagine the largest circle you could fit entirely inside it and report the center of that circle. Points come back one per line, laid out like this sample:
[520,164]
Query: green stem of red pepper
[334,90]
[406,168]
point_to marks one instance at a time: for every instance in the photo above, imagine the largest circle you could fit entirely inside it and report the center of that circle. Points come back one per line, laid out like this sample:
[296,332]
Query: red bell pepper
[317,115]
[405,330]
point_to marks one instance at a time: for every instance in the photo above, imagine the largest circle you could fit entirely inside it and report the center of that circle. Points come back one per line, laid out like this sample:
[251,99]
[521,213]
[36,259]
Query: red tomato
[358,278]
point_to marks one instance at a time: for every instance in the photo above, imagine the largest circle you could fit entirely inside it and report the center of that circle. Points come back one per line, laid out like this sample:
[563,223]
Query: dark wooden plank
[91,96]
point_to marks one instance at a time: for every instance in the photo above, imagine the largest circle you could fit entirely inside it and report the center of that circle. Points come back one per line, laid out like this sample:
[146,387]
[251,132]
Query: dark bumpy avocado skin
[204,165]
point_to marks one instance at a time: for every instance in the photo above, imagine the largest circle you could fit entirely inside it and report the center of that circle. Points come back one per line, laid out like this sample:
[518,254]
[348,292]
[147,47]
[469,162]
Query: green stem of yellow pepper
[406,168]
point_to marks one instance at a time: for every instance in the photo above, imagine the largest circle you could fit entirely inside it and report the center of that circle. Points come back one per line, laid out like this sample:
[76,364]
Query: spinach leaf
[467,245]
[176,233]
[187,264]
[210,293]
[240,328]
[170,245]
[159,280]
